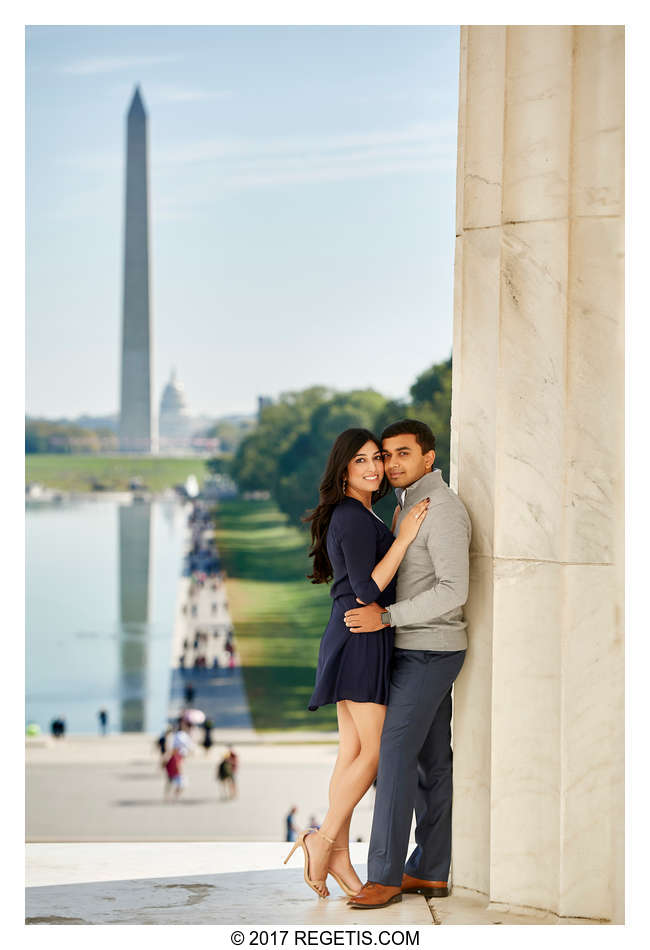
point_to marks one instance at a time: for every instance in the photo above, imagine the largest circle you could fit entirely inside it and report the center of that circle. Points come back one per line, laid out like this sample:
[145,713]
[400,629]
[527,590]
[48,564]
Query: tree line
[66,438]
[286,452]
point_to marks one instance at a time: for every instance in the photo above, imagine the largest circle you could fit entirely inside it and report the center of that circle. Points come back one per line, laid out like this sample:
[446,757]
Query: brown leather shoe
[375,895]
[413,885]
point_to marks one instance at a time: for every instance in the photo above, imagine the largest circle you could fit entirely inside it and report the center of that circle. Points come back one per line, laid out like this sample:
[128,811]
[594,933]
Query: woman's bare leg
[349,748]
[351,784]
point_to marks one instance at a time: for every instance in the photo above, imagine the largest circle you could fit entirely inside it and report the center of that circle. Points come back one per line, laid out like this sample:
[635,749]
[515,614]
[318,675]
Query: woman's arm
[358,539]
[386,569]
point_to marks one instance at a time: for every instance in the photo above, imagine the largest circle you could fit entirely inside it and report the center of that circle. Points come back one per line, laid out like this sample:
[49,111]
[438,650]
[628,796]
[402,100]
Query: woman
[352,546]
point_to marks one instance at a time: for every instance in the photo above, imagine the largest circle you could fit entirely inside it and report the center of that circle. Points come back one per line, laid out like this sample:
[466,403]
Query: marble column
[537,457]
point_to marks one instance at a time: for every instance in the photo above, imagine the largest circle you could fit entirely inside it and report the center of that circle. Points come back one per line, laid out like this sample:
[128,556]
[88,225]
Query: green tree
[302,465]
[431,403]
[63,438]
[219,465]
[256,462]
[287,451]
[430,382]
[230,433]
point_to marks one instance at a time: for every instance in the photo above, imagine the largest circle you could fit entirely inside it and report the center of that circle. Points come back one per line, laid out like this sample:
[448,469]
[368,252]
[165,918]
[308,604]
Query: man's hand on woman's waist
[365,619]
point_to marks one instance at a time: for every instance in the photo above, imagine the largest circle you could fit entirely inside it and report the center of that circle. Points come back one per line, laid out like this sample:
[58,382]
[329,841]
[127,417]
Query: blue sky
[302,197]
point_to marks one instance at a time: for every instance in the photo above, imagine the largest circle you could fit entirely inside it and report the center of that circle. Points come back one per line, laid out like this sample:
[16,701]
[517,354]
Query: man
[415,764]
[291,825]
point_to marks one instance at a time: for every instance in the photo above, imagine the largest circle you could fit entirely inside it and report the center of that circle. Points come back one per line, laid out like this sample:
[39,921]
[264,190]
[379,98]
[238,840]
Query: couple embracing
[394,644]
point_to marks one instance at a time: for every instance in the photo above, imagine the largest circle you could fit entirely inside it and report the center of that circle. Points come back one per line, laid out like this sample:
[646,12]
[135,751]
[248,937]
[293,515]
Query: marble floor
[227,883]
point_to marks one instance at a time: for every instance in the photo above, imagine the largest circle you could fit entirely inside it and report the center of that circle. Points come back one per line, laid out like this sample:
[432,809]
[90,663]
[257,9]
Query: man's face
[403,460]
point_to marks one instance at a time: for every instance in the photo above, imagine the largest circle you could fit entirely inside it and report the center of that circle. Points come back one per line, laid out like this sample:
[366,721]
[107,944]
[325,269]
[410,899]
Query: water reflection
[135,551]
[102,581]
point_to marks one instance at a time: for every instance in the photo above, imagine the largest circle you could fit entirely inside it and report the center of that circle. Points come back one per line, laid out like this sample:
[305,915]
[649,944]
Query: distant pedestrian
[102,715]
[162,741]
[234,765]
[175,778]
[224,774]
[189,688]
[208,726]
[57,727]
[292,831]
[181,740]
[313,823]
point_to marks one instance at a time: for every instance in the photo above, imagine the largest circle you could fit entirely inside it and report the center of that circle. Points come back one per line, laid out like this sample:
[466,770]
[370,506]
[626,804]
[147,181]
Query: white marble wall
[537,454]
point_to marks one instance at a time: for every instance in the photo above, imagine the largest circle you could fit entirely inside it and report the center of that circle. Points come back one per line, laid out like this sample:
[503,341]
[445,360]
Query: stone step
[235,883]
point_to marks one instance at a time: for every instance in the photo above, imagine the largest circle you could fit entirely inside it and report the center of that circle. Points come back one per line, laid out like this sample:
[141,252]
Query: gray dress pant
[415,769]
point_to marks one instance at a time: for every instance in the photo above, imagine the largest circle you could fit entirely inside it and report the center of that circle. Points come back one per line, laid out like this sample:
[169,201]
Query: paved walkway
[89,788]
[203,637]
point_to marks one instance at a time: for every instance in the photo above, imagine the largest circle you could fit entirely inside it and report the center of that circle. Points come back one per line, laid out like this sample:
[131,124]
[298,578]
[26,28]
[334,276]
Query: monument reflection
[135,549]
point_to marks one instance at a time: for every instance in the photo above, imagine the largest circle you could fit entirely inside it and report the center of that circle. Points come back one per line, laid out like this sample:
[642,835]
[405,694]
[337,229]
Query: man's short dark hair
[423,434]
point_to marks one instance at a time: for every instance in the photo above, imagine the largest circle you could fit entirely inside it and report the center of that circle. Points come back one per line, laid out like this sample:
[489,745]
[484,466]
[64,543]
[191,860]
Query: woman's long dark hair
[331,493]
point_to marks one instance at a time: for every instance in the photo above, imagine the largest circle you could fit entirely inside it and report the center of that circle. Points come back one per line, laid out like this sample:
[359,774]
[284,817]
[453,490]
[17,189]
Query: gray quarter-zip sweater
[433,578]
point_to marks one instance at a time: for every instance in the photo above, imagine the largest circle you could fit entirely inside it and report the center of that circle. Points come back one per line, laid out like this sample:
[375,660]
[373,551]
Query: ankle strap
[323,835]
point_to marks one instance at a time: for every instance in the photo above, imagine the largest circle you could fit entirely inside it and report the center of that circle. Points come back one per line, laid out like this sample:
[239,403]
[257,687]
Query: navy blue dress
[354,666]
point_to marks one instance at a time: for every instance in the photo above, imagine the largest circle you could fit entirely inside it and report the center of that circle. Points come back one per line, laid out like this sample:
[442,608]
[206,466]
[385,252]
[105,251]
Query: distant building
[174,422]
[262,402]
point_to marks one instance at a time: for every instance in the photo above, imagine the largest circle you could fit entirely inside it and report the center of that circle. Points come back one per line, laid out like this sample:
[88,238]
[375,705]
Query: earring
[345,483]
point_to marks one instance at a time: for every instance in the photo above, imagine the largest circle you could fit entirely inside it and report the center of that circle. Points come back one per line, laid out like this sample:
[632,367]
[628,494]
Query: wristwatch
[385,617]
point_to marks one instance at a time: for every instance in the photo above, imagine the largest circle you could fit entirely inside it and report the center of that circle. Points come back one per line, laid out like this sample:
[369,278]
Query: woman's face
[365,469]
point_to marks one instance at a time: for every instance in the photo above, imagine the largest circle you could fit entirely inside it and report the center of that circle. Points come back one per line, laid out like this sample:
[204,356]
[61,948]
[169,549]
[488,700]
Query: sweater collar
[420,489]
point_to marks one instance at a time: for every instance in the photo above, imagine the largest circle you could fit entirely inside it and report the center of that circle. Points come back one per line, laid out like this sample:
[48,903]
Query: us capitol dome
[174,419]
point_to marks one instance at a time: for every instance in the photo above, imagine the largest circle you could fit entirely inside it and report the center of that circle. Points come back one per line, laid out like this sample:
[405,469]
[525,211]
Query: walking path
[90,788]
[205,663]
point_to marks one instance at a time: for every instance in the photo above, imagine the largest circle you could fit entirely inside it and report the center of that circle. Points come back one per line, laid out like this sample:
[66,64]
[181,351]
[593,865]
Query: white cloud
[184,94]
[330,173]
[216,149]
[95,65]
[239,162]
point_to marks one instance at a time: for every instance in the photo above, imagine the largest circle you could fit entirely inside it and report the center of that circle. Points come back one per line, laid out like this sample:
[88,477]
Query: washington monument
[137,426]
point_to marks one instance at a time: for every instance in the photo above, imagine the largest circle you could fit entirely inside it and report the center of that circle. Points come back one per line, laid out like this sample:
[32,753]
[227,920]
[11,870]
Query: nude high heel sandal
[300,842]
[339,880]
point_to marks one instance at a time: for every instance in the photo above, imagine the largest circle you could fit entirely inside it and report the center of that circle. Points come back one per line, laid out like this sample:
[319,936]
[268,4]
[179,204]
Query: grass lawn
[279,616]
[81,472]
